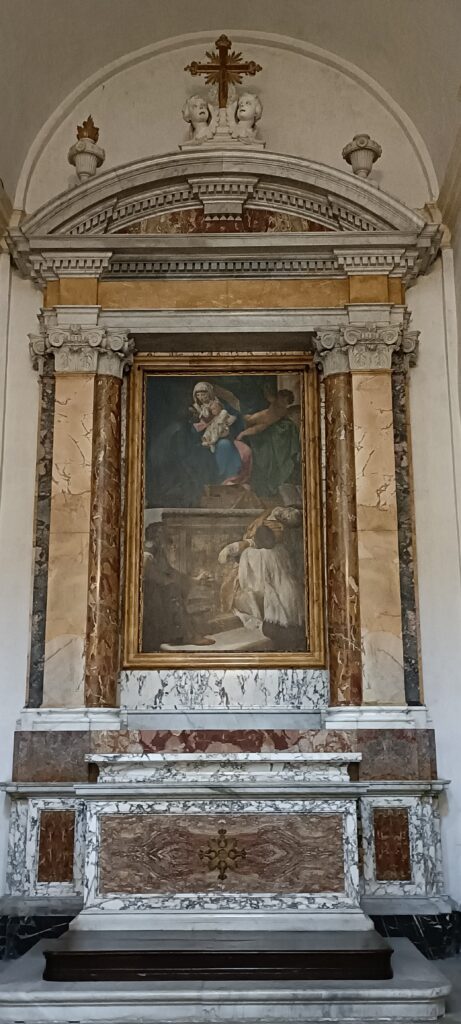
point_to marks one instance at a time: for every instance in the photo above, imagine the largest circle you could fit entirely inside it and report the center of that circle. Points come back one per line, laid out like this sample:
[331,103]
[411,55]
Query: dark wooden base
[217,956]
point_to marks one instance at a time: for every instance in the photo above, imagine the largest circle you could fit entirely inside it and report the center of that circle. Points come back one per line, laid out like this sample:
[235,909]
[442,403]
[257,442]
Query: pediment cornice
[89,230]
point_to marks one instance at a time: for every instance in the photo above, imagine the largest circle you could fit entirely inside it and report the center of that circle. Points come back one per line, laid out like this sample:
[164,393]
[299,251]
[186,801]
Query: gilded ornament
[222,854]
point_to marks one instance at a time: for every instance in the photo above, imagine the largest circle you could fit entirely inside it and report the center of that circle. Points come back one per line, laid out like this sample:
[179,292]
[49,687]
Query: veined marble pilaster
[42,535]
[87,359]
[377,532]
[103,633]
[65,634]
[342,550]
[407,555]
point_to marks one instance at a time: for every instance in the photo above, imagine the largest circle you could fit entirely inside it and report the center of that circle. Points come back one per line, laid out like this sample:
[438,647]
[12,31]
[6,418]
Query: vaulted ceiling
[47,47]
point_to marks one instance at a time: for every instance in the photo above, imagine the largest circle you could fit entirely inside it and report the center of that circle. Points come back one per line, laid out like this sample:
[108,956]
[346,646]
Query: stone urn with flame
[85,155]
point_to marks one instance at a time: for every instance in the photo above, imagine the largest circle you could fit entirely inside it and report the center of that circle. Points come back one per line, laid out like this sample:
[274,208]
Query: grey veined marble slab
[220,690]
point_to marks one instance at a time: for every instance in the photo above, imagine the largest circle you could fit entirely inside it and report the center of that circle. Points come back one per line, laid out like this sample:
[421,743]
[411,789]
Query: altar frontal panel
[154,853]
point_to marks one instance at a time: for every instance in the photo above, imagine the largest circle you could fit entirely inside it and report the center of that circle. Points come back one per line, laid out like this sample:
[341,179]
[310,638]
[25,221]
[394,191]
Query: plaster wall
[435,436]
[16,525]
[310,110]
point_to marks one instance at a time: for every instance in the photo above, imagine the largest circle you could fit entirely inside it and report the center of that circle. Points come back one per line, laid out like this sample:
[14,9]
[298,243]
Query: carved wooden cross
[223,68]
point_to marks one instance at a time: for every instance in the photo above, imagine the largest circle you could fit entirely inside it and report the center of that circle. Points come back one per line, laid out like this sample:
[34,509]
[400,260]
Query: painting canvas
[224,534]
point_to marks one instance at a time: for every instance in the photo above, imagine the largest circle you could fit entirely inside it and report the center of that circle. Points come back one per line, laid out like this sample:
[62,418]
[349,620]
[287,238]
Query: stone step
[416,993]
[208,956]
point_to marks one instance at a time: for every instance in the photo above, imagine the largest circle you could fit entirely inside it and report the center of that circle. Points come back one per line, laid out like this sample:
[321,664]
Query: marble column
[80,623]
[342,568]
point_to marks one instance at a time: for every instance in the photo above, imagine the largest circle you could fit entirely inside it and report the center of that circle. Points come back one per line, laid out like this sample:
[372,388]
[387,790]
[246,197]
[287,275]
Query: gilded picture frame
[223,549]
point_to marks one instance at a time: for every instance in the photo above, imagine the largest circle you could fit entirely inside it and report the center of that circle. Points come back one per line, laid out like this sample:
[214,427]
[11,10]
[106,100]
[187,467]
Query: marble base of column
[103,632]
[344,638]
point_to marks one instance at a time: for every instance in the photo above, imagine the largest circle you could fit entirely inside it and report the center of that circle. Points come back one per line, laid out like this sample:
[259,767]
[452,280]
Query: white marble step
[417,993]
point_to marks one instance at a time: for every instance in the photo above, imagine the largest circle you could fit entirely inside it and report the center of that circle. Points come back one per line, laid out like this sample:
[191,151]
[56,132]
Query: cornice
[175,173]
[361,230]
[278,254]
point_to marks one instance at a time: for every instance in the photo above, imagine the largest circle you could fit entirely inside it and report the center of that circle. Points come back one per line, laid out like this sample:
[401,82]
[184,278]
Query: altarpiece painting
[223,512]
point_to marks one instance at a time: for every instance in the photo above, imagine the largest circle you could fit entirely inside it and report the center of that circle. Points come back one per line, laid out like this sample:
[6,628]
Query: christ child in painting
[277,409]
[219,425]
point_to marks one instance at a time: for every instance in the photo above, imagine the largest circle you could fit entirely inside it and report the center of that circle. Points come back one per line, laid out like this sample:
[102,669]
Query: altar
[225,731]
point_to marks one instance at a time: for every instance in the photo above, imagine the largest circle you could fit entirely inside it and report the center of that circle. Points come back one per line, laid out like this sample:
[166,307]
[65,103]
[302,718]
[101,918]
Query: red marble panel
[147,853]
[194,220]
[244,740]
[115,741]
[392,844]
[388,754]
[50,756]
[56,846]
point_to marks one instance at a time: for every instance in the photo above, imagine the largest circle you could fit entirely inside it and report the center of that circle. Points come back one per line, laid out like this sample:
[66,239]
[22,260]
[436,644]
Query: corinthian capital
[367,346]
[78,349]
[331,353]
[371,345]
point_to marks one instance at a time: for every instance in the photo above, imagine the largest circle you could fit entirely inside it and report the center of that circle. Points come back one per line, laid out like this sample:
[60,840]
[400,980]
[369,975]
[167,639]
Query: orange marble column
[342,565]
[103,628]
[342,568]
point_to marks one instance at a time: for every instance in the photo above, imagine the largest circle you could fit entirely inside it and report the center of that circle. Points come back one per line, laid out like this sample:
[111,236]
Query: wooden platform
[217,956]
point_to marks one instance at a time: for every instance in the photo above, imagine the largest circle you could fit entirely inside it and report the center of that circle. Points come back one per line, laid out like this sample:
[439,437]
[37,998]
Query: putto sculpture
[248,111]
[202,118]
[223,118]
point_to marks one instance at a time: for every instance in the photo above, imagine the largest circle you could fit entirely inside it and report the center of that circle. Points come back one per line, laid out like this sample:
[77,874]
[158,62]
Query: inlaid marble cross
[222,853]
[223,69]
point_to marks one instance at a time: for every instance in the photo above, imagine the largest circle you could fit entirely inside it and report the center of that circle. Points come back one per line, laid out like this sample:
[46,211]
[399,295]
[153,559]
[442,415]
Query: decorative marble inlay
[185,826]
[425,877]
[222,854]
[50,756]
[56,846]
[264,689]
[46,847]
[218,770]
[379,582]
[103,633]
[42,536]
[344,637]
[392,844]
[157,853]
[59,756]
